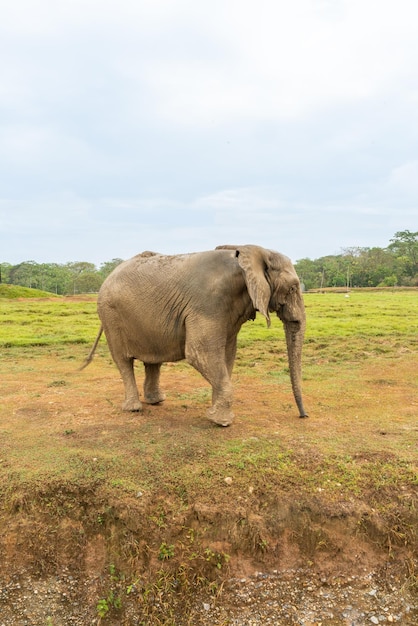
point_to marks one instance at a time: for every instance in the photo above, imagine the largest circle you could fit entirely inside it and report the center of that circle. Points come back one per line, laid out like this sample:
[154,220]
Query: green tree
[25,274]
[107,267]
[80,284]
[57,278]
[89,282]
[371,266]
[404,245]
[5,272]
[308,273]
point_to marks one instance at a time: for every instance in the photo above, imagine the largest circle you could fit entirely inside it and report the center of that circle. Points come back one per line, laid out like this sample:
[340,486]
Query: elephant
[158,308]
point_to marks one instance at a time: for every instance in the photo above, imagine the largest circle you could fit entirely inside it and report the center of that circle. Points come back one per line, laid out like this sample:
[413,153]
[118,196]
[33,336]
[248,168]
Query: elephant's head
[274,286]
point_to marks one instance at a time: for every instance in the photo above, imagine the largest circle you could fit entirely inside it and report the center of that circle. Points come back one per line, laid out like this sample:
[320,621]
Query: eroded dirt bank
[302,565]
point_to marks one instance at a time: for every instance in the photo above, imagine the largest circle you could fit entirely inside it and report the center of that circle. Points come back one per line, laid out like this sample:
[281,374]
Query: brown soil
[55,566]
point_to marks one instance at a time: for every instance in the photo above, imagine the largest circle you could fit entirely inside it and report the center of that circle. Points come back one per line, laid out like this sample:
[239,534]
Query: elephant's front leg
[209,359]
[222,395]
[152,392]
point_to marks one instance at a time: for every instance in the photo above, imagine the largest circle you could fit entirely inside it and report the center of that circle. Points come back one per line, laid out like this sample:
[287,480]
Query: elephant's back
[150,267]
[153,277]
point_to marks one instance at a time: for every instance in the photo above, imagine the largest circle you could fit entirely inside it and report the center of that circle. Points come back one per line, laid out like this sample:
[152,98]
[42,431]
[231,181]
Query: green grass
[15,291]
[369,314]
[47,322]
[330,317]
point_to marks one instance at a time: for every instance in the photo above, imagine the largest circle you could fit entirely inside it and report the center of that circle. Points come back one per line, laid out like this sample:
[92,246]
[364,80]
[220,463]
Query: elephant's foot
[132,405]
[220,416]
[154,398]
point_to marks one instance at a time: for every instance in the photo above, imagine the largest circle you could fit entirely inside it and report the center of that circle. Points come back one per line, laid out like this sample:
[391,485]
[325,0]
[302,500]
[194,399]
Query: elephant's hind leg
[117,343]
[126,368]
[152,392]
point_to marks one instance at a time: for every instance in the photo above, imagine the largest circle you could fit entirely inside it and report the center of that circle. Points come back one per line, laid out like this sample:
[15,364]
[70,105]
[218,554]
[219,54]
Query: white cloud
[244,200]
[283,60]
[202,63]
[404,179]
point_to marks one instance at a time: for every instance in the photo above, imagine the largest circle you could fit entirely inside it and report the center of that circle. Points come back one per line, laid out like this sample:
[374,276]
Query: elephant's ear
[252,260]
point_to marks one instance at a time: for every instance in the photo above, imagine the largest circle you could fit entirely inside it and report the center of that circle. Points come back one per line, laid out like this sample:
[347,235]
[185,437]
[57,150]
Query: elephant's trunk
[295,332]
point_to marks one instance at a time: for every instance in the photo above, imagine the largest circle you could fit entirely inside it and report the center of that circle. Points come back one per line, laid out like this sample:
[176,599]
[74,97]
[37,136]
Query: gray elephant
[158,309]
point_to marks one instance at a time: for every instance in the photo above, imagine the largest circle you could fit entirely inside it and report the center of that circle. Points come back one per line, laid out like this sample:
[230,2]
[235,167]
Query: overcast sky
[178,125]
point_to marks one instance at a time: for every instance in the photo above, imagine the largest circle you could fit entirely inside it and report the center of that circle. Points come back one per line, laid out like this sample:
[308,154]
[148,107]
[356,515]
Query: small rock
[374,619]
[206,606]
[228,480]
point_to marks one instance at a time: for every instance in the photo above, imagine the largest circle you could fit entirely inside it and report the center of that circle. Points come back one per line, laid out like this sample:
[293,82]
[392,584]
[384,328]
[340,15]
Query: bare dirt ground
[323,558]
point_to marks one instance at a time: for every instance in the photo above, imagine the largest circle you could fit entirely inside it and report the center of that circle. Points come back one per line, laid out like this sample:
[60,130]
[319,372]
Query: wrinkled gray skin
[158,309]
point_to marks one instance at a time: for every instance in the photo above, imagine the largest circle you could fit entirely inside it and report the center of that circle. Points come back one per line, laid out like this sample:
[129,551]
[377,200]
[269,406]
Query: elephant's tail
[93,350]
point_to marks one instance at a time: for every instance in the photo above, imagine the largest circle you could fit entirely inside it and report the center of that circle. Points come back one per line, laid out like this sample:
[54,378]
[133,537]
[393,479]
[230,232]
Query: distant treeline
[396,265]
[66,279]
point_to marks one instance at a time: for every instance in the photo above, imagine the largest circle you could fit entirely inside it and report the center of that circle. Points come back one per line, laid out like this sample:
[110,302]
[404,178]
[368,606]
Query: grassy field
[147,505]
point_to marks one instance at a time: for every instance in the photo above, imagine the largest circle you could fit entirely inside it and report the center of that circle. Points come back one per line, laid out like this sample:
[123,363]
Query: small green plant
[57,383]
[132,587]
[166,551]
[219,559]
[104,605]
[159,519]
[117,602]
[263,544]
